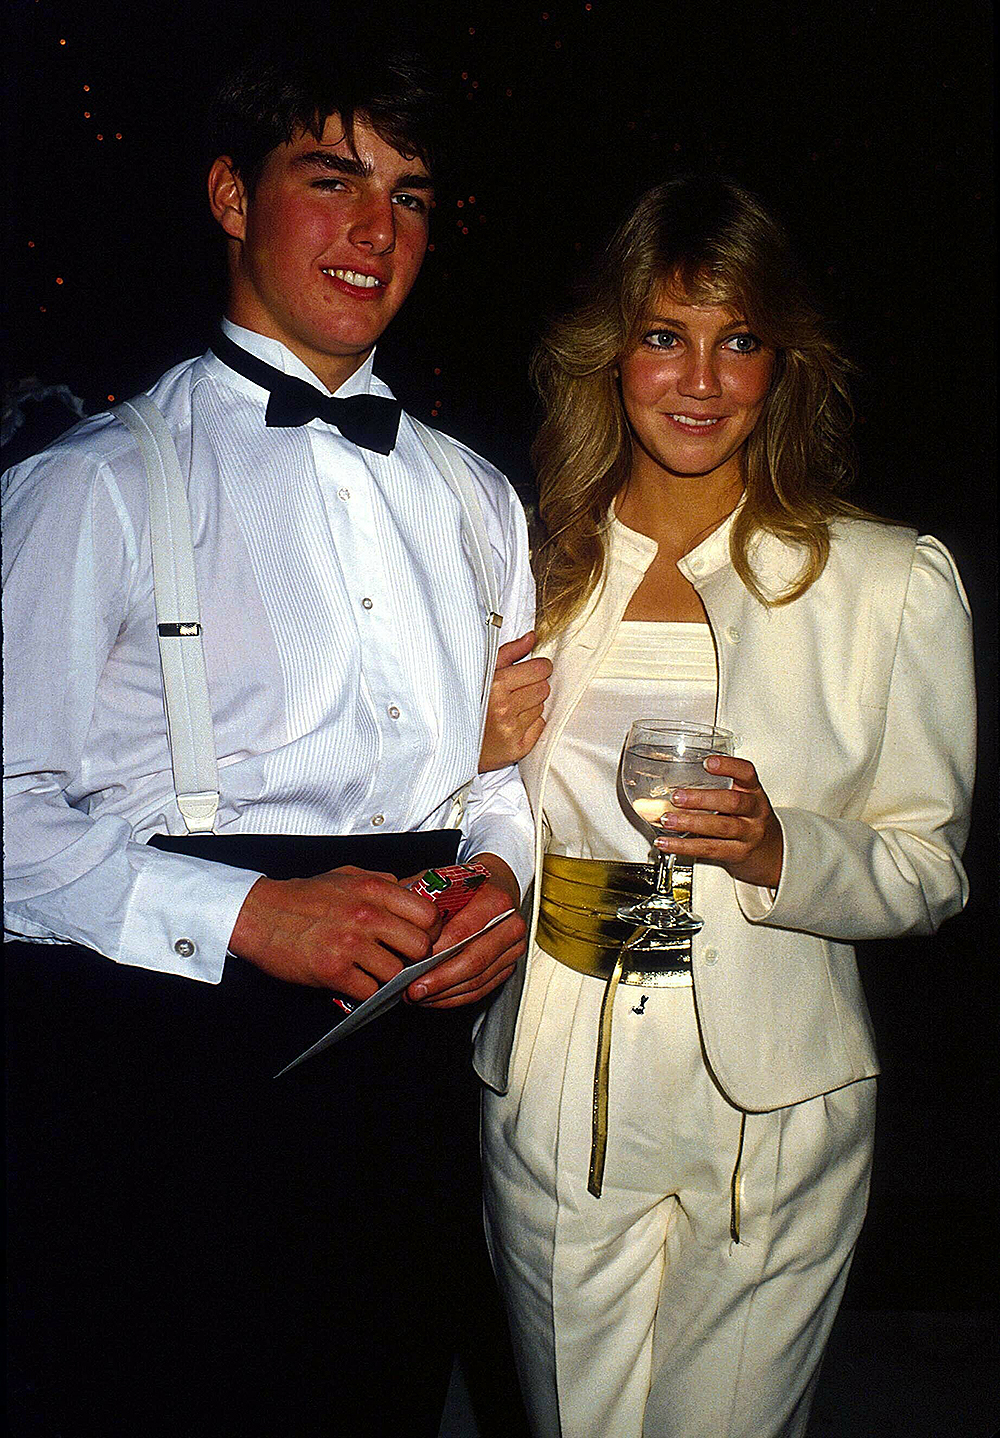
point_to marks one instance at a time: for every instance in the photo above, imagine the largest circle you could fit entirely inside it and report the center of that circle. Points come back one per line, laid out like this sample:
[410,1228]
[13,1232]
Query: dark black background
[866,126]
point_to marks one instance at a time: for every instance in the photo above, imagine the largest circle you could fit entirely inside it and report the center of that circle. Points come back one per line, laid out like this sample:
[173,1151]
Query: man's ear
[228,197]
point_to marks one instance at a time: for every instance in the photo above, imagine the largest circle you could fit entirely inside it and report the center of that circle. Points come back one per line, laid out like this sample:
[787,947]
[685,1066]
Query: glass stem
[664,881]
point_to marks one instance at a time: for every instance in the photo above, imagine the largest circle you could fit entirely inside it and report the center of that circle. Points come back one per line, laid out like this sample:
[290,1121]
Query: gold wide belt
[578,925]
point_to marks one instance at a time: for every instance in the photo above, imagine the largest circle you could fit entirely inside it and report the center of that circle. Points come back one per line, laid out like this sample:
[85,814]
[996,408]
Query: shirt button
[343,494]
[393,712]
[733,634]
[378,819]
[366,604]
[710,956]
[696,565]
[185,948]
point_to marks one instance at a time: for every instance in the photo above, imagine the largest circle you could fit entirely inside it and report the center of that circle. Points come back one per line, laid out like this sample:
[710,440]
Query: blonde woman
[677,1141]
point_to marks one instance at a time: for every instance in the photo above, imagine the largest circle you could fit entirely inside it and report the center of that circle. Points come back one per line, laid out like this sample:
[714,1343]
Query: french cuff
[181,915]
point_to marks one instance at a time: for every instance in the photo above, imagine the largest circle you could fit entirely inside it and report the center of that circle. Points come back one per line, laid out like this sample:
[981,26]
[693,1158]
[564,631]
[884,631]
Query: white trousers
[635,1315]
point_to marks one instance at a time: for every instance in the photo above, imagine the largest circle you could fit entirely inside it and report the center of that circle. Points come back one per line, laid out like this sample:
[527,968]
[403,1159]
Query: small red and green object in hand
[451,887]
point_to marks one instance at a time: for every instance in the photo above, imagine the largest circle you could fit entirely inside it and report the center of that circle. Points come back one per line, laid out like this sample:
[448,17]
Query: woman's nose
[700,376]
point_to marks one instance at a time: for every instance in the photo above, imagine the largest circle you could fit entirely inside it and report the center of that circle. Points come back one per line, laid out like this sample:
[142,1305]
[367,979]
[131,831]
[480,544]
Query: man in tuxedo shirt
[200,1247]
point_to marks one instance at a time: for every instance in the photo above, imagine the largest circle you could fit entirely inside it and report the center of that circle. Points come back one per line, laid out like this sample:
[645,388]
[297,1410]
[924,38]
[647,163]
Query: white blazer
[856,703]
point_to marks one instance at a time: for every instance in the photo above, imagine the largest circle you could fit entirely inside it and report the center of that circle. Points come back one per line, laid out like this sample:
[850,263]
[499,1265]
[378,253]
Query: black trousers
[199,1248]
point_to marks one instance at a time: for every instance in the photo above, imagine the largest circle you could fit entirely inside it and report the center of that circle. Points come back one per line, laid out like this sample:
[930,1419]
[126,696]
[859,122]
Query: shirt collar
[280,357]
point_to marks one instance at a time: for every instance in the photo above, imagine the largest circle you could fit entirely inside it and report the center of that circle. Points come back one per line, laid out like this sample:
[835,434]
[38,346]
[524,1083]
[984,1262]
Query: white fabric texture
[344,643]
[634,1315]
[856,703]
[651,671]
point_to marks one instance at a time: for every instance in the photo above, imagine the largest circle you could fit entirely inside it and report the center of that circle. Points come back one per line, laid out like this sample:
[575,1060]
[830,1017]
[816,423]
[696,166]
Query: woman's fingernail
[678,797]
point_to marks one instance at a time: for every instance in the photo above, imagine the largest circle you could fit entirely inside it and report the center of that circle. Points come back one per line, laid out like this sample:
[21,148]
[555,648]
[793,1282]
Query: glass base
[661,912]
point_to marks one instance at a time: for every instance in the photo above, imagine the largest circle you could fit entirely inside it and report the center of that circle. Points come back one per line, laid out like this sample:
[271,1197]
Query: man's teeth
[694,423]
[363,282]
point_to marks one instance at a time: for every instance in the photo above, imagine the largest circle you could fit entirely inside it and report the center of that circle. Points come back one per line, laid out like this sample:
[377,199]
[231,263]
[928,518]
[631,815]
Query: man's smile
[356,279]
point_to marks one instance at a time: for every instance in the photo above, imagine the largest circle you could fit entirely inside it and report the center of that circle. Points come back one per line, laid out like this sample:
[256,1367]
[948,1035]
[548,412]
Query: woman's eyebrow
[674,322]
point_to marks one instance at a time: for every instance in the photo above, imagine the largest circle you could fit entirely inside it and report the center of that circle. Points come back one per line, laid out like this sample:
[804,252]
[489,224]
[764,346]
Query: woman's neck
[677,511]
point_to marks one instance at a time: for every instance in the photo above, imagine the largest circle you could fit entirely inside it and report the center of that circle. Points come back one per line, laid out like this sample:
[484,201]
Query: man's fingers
[457,999]
[384,891]
[477,968]
[341,930]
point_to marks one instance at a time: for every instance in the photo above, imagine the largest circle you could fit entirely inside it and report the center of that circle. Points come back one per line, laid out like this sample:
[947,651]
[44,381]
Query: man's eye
[412,202]
[327,183]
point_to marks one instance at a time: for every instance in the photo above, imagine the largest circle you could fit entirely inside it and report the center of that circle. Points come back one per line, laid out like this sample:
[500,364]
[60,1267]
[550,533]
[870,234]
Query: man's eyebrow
[349,165]
[324,160]
[419,180]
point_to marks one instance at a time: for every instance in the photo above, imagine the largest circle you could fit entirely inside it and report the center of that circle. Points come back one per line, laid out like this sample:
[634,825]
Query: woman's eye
[660,339]
[744,344]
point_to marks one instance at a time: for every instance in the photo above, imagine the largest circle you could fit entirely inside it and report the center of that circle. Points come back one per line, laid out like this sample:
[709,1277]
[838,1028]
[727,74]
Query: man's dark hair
[283,90]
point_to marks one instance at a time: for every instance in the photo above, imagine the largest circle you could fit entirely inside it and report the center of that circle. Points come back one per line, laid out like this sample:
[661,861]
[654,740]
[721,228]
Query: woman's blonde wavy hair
[712,242]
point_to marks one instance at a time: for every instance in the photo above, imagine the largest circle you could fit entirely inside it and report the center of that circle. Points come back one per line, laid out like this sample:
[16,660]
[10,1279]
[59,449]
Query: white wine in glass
[659,757]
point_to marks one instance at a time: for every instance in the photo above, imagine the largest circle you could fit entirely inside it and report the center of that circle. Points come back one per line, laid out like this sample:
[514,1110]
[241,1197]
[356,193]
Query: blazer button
[378,819]
[185,948]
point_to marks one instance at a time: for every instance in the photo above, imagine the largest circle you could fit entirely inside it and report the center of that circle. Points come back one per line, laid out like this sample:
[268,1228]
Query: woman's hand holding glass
[735,828]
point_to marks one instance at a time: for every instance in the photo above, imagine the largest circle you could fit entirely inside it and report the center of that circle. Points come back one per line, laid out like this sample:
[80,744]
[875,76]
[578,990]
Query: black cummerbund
[303,856]
[250,1022]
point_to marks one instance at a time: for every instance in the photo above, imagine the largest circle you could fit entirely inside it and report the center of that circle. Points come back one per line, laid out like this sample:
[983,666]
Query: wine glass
[660,756]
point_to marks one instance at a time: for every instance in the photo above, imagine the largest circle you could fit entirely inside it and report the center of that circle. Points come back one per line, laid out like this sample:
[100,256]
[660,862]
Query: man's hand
[487,962]
[346,930]
[514,720]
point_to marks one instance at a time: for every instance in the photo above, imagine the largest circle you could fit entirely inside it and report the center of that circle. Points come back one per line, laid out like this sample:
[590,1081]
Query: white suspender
[190,732]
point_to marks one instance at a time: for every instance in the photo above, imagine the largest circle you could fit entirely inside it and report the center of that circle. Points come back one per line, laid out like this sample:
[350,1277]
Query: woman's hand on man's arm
[514,721]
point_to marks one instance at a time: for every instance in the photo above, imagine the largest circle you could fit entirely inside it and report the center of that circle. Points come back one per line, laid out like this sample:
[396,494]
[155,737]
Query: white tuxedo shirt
[344,644]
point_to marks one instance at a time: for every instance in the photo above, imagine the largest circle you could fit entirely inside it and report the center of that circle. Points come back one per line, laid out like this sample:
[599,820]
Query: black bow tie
[368,420]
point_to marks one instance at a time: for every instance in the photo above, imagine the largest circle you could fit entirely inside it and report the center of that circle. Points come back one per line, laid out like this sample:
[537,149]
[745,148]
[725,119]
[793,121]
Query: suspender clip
[189,630]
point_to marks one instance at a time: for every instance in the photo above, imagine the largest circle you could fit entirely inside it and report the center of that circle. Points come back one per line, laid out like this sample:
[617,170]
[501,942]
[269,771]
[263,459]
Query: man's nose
[374,227]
